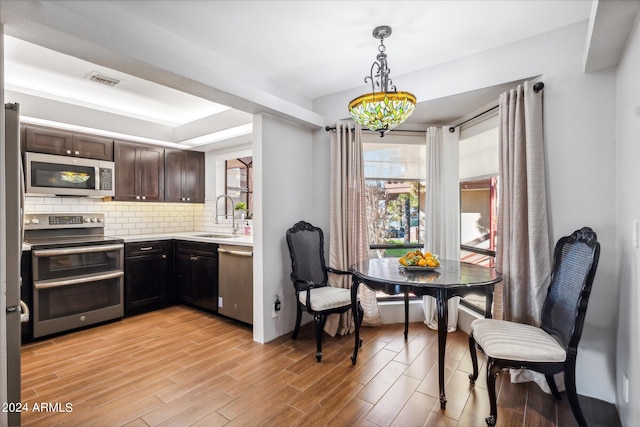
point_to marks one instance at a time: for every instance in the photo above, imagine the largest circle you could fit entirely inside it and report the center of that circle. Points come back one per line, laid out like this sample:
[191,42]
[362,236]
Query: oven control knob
[83,318]
[27,221]
[99,219]
[86,220]
[35,221]
[93,220]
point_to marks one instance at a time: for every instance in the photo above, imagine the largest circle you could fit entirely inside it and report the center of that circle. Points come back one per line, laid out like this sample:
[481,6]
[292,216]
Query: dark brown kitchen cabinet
[148,276]
[66,143]
[139,172]
[184,176]
[197,274]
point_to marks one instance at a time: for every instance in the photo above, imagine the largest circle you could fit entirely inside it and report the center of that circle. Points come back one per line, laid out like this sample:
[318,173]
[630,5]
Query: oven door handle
[77,281]
[78,250]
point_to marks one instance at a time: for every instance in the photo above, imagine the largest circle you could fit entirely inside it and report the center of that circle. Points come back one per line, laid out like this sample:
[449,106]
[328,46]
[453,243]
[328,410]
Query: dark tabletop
[388,273]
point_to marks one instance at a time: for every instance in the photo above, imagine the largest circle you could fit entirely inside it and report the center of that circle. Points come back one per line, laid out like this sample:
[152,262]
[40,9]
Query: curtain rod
[536,88]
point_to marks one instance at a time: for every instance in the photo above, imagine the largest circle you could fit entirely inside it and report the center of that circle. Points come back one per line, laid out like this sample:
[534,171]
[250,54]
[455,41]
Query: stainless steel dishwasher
[235,282]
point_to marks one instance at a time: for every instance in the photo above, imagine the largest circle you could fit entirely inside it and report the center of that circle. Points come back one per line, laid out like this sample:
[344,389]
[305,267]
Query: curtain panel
[442,228]
[349,241]
[523,253]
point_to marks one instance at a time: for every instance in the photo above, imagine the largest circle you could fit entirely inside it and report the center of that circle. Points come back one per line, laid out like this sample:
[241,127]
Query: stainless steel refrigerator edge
[14,194]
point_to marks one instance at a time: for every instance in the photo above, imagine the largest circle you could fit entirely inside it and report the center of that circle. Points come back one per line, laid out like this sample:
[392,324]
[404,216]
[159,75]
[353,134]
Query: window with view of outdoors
[395,194]
[239,183]
[479,185]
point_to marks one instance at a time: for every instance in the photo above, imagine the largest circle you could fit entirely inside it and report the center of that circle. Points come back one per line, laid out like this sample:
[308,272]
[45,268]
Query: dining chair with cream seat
[310,277]
[553,347]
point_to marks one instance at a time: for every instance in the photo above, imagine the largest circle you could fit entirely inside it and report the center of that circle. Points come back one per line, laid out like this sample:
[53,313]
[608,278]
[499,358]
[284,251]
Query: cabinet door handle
[77,153]
[194,258]
[68,151]
[164,256]
[144,197]
[137,197]
[146,248]
[188,199]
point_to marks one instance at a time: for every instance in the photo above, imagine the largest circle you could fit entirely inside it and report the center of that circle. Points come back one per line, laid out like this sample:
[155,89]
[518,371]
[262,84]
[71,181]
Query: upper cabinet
[66,143]
[142,172]
[184,176]
[139,172]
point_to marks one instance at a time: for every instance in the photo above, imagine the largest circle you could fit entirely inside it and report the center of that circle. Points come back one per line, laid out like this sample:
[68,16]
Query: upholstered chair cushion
[326,298]
[516,341]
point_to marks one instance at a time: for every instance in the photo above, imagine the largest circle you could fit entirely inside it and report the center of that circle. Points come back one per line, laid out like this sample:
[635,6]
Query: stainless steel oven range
[78,272]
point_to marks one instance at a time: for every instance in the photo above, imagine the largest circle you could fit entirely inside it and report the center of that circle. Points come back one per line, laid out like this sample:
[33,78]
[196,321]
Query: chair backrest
[574,267]
[306,247]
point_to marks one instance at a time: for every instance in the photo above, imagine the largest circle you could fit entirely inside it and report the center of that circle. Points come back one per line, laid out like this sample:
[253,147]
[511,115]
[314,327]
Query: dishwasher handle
[239,253]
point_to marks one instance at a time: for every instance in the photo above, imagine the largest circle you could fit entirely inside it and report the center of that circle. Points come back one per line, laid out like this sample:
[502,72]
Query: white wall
[284,166]
[579,120]
[628,210]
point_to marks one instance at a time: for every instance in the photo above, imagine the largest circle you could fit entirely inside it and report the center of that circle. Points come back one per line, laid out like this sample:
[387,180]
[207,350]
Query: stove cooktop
[70,241]
[53,230]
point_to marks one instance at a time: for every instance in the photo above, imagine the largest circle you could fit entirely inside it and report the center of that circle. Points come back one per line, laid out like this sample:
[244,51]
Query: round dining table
[450,279]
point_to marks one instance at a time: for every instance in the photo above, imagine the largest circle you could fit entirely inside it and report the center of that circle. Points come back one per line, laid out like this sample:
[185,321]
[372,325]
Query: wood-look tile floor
[183,367]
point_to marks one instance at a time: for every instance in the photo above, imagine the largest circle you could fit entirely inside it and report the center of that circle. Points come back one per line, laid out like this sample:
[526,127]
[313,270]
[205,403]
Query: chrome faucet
[233,217]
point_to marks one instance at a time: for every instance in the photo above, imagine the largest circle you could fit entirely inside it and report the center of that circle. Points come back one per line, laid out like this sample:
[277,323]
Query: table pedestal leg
[406,315]
[488,293]
[356,318]
[443,319]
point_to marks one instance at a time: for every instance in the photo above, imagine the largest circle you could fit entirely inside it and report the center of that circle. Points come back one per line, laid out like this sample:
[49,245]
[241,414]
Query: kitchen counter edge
[192,236]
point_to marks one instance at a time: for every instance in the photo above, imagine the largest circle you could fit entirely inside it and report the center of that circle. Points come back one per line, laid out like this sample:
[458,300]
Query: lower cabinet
[148,276]
[197,274]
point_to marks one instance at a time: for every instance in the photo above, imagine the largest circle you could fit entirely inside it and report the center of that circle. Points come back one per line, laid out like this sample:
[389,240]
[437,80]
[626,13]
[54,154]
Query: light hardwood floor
[183,367]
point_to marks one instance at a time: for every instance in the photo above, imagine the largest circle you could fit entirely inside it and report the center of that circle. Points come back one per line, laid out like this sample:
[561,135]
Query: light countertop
[193,236]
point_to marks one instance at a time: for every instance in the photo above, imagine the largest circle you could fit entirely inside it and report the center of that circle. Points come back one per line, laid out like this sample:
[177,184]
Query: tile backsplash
[133,218]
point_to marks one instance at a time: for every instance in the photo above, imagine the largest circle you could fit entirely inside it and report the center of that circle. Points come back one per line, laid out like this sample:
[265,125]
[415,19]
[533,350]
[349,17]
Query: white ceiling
[42,72]
[299,50]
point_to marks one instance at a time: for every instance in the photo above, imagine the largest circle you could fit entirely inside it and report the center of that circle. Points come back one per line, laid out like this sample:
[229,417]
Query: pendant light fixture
[381,110]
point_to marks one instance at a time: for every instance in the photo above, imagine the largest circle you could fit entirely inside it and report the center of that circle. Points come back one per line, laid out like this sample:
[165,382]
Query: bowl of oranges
[419,261]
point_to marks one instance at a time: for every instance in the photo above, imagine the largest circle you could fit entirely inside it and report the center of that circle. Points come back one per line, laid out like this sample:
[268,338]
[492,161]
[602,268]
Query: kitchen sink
[216,236]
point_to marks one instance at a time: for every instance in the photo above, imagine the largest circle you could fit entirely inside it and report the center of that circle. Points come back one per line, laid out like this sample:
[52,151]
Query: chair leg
[492,373]
[474,359]
[554,388]
[319,320]
[572,395]
[298,317]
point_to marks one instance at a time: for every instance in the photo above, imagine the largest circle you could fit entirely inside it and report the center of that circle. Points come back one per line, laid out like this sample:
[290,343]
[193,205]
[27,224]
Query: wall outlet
[277,305]
[625,388]
[220,302]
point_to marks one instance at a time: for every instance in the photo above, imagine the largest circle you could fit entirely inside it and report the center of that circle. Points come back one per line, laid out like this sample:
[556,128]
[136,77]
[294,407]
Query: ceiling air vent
[102,79]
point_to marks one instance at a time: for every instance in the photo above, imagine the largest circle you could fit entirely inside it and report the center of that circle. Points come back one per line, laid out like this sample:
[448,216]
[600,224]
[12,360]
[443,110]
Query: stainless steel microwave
[47,174]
